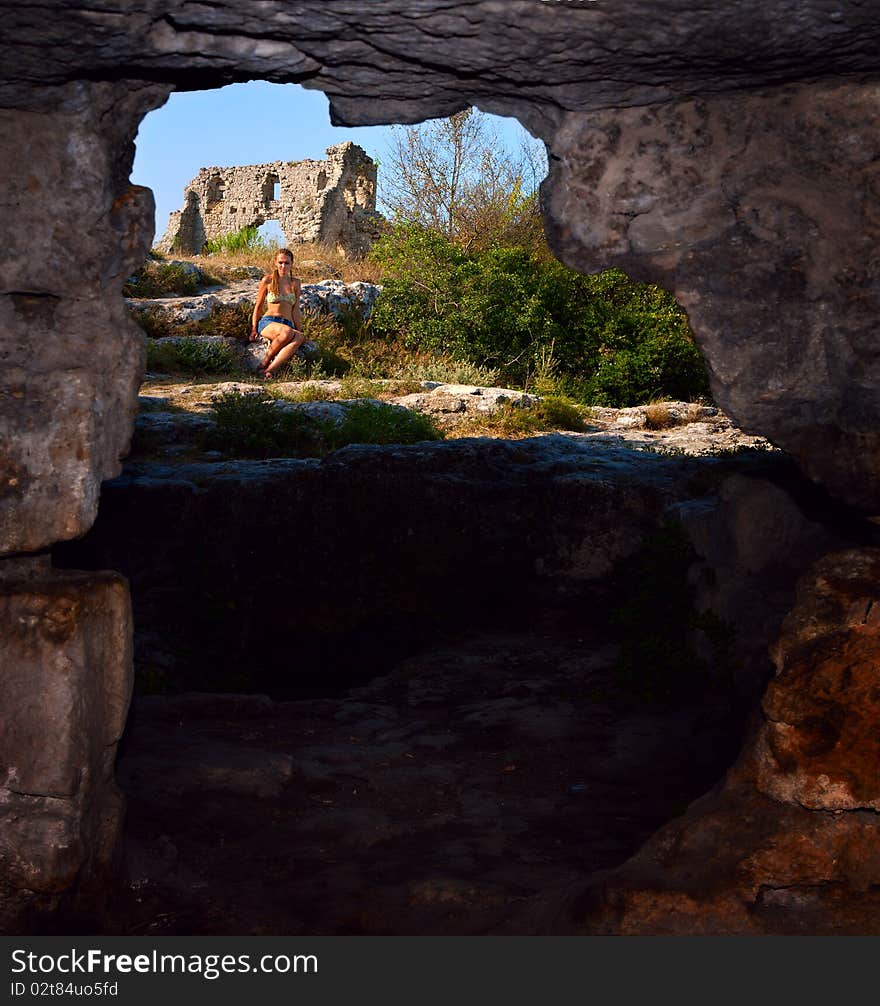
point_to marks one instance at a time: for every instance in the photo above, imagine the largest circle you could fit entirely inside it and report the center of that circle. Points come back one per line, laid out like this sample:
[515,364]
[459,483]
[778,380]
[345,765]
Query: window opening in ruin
[216,190]
[271,189]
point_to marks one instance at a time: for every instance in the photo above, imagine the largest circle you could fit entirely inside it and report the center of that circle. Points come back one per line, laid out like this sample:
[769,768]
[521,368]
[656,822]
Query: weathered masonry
[332,202]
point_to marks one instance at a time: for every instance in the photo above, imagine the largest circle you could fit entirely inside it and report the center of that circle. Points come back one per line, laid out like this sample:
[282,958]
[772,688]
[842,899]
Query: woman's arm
[258,307]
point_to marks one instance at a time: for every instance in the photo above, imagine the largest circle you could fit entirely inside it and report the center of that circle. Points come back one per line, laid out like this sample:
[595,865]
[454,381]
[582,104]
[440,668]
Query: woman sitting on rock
[281,325]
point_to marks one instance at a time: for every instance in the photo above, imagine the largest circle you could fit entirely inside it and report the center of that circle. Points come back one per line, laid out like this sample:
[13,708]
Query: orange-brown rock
[820,745]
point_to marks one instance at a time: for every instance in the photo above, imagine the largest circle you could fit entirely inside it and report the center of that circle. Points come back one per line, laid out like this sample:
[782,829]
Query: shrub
[161,279]
[249,425]
[655,617]
[604,337]
[658,416]
[369,422]
[155,322]
[445,370]
[307,393]
[192,357]
[232,321]
[353,386]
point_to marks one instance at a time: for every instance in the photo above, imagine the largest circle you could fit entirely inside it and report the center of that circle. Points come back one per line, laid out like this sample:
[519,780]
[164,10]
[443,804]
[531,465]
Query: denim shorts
[270,319]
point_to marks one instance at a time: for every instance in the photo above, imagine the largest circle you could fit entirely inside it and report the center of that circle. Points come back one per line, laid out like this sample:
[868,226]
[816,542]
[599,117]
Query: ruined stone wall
[331,202]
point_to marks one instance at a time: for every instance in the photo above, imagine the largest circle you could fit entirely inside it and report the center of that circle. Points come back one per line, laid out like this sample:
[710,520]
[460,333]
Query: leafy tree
[454,177]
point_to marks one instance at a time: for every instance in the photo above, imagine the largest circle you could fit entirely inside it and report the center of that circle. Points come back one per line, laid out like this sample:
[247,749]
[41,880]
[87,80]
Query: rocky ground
[175,411]
[443,797]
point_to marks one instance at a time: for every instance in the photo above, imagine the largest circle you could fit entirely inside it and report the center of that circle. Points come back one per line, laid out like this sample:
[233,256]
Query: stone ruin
[331,202]
[728,154]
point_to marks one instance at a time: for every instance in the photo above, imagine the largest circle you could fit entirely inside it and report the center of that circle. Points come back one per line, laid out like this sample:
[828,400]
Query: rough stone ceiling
[404,60]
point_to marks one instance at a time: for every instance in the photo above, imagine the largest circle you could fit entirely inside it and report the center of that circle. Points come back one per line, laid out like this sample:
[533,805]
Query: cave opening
[406,712]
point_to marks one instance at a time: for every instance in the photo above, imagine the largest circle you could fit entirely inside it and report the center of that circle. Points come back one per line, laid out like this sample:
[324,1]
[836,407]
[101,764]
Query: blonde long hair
[273,279]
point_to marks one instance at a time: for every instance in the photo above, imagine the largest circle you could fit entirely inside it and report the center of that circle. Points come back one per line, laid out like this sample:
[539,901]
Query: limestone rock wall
[762,213]
[332,202]
[71,361]
[67,674]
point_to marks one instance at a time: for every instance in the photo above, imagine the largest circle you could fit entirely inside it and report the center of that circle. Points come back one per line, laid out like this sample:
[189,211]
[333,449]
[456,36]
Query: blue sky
[250,123]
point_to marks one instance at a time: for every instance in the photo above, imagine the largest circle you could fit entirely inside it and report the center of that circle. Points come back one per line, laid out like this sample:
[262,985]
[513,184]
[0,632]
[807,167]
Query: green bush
[606,338]
[509,420]
[233,321]
[192,357]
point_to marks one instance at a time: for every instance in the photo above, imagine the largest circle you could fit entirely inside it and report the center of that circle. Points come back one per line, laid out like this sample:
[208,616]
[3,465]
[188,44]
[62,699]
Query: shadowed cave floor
[438,799]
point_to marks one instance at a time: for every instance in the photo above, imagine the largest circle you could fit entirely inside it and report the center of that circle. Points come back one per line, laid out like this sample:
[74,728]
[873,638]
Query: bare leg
[278,336]
[286,353]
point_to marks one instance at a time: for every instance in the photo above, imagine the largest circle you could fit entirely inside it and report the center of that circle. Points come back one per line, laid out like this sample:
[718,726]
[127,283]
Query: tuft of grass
[354,386]
[447,370]
[654,618]
[659,417]
[192,358]
[235,253]
[308,393]
[515,421]
[155,322]
[161,279]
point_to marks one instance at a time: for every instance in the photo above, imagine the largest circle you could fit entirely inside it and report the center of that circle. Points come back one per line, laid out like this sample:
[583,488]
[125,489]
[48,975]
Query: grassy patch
[230,321]
[658,416]
[148,404]
[249,425]
[353,386]
[312,262]
[307,393]
[192,357]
